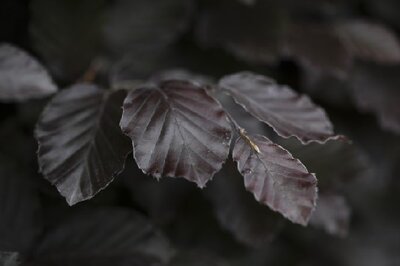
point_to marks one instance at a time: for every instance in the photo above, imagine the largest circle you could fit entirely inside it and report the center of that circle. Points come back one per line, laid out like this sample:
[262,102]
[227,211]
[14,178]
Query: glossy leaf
[332,214]
[81,147]
[20,222]
[287,112]
[276,179]
[177,130]
[67,34]
[103,237]
[236,210]
[370,41]
[21,76]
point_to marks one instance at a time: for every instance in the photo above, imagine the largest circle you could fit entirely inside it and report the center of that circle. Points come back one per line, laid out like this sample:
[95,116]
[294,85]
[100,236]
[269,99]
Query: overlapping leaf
[237,211]
[177,130]
[276,178]
[81,147]
[287,112]
[332,214]
[20,221]
[103,237]
[369,41]
[21,76]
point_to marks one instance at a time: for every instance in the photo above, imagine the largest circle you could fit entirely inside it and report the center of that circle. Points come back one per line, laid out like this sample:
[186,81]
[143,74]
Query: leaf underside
[177,130]
[81,147]
[287,112]
[276,179]
[21,76]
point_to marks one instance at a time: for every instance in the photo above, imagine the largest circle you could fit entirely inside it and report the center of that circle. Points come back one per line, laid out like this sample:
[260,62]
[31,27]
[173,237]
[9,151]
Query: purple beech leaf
[369,41]
[107,236]
[81,147]
[332,214]
[275,178]
[375,89]
[9,258]
[177,130]
[22,77]
[236,210]
[182,74]
[287,112]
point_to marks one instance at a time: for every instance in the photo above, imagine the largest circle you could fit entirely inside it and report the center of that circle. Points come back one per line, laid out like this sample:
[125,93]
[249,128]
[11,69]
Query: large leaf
[370,41]
[177,130]
[236,210]
[276,178]
[20,221]
[67,34]
[21,76]
[287,112]
[81,147]
[332,214]
[103,237]
[376,90]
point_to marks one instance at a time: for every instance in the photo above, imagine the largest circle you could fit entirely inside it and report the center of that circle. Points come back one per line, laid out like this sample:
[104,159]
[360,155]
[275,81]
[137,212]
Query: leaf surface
[21,76]
[276,179]
[81,147]
[287,112]
[177,130]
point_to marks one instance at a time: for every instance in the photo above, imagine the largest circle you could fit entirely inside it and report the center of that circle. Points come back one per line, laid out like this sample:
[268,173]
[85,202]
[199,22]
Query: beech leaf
[177,130]
[287,112]
[21,76]
[81,147]
[276,179]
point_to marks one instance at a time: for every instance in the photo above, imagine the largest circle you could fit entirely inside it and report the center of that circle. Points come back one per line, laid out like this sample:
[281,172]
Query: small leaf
[21,76]
[81,147]
[103,237]
[276,178]
[177,130]
[236,210]
[369,41]
[332,214]
[20,221]
[287,112]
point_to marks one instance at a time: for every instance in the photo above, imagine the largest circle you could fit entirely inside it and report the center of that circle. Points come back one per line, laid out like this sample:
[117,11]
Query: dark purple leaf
[67,34]
[236,210]
[20,221]
[332,214]
[287,112]
[369,41]
[177,130]
[21,76]
[182,74]
[81,147]
[376,90]
[275,178]
[103,237]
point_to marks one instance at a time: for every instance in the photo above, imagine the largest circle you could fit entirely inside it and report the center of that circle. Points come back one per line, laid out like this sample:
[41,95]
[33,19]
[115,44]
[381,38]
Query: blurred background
[344,54]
